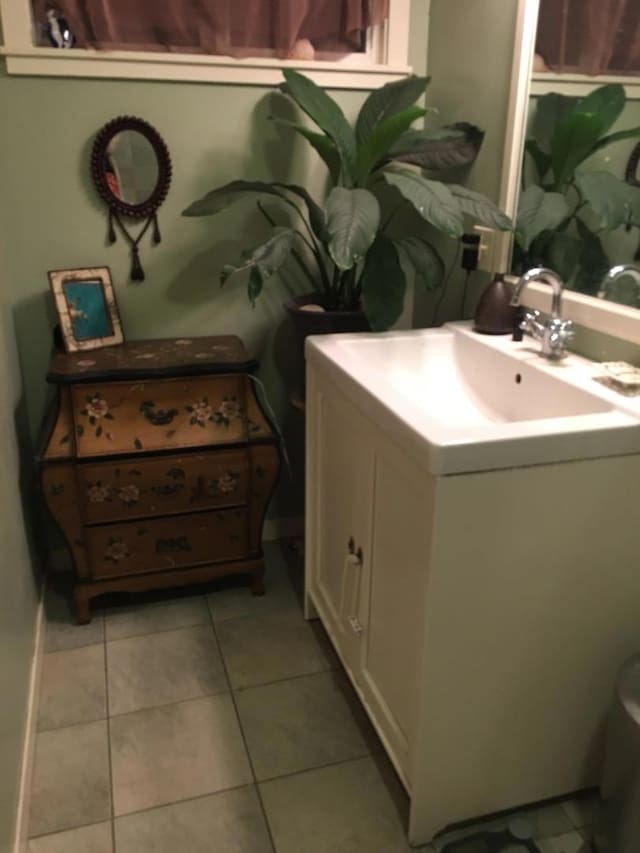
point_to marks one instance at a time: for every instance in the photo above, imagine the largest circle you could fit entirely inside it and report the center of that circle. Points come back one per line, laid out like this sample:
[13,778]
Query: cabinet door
[337,453]
[393,596]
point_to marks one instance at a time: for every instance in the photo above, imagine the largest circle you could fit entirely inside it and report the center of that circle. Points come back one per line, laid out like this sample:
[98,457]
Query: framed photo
[86,305]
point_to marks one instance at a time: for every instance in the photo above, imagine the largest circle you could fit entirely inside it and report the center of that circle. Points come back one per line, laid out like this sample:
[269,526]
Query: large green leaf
[377,145]
[222,197]
[383,285]
[550,110]
[449,147]
[433,200]
[320,142]
[480,208]
[387,101]
[594,263]
[265,259]
[353,218]
[541,159]
[562,254]
[427,265]
[326,113]
[610,199]
[577,133]
[539,211]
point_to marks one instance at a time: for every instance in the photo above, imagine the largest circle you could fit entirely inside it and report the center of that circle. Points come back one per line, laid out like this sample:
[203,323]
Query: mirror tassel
[156,237]
[111,231]
[137,273]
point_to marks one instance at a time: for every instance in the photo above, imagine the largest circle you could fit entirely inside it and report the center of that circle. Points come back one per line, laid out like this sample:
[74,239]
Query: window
[349,43]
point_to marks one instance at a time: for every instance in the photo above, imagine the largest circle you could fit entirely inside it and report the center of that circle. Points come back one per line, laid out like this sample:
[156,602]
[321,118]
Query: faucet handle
[561,334]
[533,324]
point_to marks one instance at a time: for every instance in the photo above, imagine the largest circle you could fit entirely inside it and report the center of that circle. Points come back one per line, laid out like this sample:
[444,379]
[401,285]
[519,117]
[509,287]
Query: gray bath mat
[518,836]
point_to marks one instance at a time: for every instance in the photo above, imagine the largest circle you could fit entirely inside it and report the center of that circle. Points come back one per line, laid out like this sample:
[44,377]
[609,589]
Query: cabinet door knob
[360,555]
[351,545]
[356,625]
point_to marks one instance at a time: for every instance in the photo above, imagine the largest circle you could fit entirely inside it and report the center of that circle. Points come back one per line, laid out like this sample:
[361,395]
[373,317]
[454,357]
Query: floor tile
[568,842]
[72,689]
[303,723]
[144,618]
[159,669]
[176,752]
[346,808]
[261,650]
[584,810]
[71,779]
[88,839]
[280,598]
[61,630]
[230,822]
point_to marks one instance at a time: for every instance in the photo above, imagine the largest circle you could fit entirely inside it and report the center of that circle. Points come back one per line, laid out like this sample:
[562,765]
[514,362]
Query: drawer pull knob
[157,417]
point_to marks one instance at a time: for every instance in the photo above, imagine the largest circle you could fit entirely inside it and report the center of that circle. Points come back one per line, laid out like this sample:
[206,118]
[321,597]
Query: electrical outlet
[494,249]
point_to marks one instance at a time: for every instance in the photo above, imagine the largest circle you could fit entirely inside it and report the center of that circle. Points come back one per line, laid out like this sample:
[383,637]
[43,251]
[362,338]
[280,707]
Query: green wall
[51,217]
[18,585]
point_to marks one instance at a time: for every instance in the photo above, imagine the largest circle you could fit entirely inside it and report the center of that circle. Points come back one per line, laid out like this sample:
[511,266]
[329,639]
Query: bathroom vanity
[472,548]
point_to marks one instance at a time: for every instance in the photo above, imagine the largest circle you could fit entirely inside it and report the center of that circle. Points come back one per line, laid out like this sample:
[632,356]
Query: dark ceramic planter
[321,322]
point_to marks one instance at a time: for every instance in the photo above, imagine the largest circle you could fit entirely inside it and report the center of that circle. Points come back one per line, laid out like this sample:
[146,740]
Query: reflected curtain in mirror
[590,36]
[230,27]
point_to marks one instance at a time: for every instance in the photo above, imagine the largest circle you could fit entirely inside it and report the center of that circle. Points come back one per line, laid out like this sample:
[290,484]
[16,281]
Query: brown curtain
[590,36]
[237,27]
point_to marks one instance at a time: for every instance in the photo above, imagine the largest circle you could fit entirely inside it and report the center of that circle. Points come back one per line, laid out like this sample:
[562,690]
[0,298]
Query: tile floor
[219,723]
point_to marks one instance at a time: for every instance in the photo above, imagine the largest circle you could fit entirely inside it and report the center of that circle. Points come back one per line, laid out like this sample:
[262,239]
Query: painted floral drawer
[130,417]
[136,488]
[152,545]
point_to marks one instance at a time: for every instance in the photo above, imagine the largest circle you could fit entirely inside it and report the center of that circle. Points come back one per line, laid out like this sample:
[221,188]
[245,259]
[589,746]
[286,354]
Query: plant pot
[308,323]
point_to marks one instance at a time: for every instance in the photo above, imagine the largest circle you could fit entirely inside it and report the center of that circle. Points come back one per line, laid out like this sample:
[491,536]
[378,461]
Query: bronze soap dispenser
[495,315]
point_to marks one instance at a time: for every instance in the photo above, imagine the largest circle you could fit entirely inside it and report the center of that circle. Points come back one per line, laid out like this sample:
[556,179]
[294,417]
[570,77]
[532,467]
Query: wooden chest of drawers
[158,464]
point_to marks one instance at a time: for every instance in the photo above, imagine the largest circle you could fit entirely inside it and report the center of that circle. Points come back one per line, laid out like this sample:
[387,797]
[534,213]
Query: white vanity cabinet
[368,539]
[482,615]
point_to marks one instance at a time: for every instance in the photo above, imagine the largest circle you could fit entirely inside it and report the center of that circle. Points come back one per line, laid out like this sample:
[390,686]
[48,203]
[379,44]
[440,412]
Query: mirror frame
[98,153]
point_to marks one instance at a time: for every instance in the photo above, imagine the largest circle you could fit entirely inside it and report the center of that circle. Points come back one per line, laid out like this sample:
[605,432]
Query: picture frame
[86,305]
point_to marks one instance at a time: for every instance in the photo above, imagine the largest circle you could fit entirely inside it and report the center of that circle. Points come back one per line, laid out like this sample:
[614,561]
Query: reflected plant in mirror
[572,216]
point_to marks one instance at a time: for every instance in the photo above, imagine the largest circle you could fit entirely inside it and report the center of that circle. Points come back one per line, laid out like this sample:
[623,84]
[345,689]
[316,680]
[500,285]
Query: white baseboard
[29,748]
[283,528]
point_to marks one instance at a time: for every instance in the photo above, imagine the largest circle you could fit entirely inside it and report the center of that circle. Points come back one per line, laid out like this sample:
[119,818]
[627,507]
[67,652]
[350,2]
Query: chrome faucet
[612,277]
[555,333]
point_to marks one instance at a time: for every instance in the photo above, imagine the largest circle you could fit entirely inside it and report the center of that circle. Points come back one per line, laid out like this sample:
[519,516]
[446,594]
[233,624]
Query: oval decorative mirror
[131,169]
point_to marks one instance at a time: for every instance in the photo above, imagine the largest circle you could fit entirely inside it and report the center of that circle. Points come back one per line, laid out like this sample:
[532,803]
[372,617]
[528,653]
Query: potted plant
[565,209]
[354,265]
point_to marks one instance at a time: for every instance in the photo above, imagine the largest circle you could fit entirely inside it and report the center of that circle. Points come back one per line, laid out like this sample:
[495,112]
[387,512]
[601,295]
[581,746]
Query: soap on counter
[495,315]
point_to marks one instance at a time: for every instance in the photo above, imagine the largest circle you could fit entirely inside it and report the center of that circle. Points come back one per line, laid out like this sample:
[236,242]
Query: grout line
[185,800]
[106,692]
[287,678]
[256,787]
[315,767]
[68,829]
[204,624]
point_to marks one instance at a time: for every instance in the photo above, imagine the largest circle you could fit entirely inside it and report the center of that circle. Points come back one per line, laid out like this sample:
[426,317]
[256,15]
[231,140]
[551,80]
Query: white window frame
[385,60]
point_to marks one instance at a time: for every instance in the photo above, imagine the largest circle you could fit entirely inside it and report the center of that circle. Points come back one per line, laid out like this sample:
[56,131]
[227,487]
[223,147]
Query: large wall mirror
[579,186]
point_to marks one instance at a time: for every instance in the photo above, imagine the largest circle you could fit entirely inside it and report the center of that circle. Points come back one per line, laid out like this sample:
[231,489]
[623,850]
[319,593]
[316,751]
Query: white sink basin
[476,402]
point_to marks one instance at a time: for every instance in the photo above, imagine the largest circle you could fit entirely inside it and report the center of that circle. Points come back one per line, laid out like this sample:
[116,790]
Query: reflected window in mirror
[596,37]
